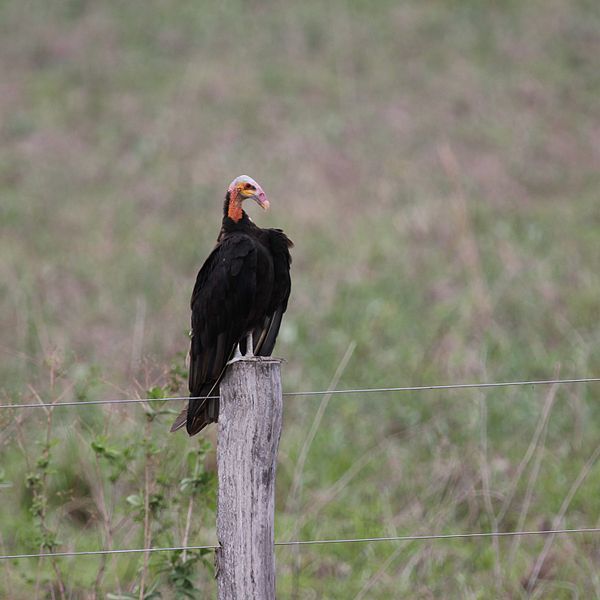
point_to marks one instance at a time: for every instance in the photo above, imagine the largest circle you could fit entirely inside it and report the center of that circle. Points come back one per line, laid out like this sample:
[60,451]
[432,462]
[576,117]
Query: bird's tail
[180,420]
[200,411]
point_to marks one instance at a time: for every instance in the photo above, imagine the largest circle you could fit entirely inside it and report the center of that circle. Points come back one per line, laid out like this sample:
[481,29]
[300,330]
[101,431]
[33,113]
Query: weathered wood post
[250,416]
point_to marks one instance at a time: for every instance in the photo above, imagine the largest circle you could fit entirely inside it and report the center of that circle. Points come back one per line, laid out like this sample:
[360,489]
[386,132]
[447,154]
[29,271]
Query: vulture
[238,301]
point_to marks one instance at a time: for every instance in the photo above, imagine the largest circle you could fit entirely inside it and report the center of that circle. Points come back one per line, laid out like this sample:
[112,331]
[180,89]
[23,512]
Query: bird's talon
[236,359]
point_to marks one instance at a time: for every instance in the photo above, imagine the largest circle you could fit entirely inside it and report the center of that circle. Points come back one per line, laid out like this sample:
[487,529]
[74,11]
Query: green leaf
[156,393]
[135,500]
[43,462]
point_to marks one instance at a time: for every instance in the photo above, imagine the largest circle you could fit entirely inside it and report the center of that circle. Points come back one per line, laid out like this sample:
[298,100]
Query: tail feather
[267,341]
[200,411]
[180,421]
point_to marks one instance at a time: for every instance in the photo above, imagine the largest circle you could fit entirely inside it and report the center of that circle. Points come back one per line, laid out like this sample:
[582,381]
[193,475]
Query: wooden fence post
[250,416]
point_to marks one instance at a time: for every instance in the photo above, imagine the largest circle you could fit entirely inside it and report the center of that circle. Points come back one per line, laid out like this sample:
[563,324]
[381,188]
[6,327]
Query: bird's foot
[237,356]
[236,359]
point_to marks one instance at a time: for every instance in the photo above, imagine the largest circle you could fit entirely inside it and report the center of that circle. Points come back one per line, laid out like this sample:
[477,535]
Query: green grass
[437,165]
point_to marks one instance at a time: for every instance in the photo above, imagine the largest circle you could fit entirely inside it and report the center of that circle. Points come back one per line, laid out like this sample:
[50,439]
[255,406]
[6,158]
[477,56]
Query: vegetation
[436,163]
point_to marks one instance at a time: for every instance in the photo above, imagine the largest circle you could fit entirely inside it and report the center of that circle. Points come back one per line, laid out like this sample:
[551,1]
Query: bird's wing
[266,335]
[221,302]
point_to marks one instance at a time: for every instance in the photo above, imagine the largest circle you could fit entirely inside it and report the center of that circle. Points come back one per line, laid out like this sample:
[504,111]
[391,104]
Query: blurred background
[437,165]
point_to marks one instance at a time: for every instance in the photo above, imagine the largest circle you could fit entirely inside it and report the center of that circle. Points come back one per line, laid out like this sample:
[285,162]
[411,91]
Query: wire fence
[415,388]
[396,538]
[403,538]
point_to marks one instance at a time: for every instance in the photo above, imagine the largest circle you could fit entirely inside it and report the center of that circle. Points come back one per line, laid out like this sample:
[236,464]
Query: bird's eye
[248,186]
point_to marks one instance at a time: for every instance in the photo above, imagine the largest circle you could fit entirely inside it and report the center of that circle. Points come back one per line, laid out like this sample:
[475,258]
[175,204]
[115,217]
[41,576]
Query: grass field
[437,165]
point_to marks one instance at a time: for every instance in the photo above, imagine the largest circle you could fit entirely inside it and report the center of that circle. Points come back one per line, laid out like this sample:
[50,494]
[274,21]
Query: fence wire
[415,388]
[396,538]
[405,538]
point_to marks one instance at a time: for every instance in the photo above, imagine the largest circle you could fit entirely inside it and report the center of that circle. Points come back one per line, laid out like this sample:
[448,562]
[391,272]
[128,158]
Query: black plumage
[243,287]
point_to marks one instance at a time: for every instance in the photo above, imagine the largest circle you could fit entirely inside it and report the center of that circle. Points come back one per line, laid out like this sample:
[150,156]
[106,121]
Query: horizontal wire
[103,552]
[97,402]
[451,386]
[416,388]
[442,536]
[398,538]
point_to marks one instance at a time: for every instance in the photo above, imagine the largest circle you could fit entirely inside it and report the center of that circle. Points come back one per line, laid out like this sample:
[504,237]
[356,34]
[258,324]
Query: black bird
[238,301]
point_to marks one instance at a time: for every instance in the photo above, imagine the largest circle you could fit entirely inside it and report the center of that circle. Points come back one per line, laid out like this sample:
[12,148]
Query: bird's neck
[233,214]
